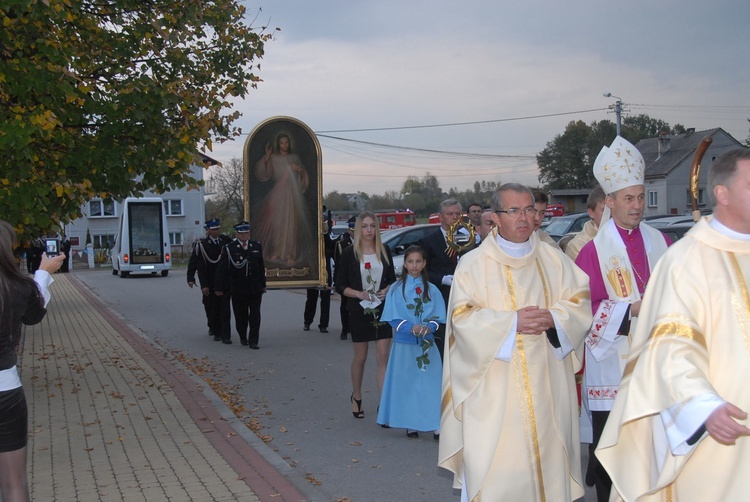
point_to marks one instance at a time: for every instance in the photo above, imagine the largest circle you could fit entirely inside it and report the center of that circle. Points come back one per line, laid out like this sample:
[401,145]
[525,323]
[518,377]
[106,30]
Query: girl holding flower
[364,274]
[411,391]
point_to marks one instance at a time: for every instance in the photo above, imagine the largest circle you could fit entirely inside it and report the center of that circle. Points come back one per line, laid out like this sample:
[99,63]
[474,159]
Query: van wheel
[124,274]
[164,273]
[114,271]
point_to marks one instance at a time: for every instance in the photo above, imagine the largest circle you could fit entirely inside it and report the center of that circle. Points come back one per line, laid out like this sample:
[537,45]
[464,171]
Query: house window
[653,198]
[105,241]
[99,208]
[701,197]
[173,207]
[175,238]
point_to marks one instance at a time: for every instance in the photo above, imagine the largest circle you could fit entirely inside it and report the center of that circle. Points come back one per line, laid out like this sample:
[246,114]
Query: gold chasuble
[509,429]
[692,343]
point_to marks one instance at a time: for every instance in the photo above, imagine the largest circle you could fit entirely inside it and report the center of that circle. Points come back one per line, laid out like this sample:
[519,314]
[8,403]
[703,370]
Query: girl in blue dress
[411,392]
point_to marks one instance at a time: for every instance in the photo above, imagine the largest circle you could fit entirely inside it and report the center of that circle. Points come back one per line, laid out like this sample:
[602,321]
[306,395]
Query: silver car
[399,239]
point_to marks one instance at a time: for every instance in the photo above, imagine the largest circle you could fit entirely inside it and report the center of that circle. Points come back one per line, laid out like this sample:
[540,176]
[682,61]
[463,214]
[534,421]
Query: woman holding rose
[364,274]
[412,387]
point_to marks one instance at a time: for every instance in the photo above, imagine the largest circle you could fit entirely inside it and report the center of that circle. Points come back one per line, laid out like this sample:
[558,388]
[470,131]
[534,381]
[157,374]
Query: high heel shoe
[359,413]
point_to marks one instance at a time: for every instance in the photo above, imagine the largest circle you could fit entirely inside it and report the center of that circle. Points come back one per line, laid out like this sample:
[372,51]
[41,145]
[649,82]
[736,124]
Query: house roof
[681,147]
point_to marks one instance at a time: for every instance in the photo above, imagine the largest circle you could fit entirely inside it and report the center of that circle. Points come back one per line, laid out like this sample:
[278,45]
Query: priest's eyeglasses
[516,212]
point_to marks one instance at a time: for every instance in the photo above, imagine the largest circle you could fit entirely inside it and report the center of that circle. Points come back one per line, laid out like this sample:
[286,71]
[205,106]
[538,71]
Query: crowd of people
[509,351]
[512,351]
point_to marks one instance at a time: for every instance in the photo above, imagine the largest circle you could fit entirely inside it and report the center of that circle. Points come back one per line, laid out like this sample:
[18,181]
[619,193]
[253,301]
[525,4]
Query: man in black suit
[204,260]
[242,272]
[440,263]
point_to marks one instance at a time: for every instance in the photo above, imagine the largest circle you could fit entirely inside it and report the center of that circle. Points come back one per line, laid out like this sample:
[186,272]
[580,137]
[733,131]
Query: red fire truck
[395,219]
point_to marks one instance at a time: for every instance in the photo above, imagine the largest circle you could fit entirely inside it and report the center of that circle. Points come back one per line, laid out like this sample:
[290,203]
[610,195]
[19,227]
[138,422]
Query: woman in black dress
[364,274]
[22,300]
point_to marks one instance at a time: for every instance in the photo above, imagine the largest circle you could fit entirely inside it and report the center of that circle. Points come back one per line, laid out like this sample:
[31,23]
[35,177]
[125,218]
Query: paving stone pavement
[112,418]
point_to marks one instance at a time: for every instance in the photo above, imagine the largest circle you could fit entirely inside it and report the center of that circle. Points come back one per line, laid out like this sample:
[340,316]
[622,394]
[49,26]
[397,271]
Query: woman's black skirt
[14,420]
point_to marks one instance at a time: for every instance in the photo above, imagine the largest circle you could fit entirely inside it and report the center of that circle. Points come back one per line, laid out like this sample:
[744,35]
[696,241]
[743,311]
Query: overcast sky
[346,65]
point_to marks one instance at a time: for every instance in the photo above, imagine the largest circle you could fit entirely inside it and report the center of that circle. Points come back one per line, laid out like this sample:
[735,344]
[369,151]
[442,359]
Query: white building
[185,211]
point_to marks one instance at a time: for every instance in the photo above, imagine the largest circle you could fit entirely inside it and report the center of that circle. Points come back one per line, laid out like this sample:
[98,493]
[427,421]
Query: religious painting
[284,201]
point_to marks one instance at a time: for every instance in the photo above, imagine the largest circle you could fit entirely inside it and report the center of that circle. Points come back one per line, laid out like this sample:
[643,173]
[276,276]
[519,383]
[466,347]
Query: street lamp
[618,110]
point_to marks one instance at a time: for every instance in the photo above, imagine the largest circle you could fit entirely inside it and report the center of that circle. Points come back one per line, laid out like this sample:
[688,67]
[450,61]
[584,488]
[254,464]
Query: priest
[509,414]
[678,429]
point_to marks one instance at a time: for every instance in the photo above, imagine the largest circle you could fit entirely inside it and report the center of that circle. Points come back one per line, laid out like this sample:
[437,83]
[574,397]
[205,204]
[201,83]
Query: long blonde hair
[379,251]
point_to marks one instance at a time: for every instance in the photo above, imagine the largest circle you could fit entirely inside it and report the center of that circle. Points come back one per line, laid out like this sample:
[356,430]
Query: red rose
[367,265]
[419,290]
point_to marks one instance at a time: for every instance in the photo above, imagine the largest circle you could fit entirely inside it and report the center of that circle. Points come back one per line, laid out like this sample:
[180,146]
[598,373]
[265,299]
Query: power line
[427,150]
[453,124]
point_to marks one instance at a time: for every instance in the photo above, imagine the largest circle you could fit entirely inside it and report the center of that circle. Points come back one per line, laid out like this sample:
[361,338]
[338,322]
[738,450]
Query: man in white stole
[678,428]
[618,262]
[517,310]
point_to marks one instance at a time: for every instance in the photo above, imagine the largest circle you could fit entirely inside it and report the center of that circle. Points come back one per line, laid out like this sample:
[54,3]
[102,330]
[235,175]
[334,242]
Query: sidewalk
[113,418]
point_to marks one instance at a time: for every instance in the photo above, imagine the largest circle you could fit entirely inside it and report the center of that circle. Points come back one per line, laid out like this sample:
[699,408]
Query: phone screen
[51,247]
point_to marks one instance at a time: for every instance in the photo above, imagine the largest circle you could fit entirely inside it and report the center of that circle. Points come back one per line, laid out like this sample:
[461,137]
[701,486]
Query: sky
[492,81]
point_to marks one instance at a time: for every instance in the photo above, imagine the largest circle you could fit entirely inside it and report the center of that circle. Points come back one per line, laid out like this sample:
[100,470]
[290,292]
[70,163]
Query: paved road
[294,391]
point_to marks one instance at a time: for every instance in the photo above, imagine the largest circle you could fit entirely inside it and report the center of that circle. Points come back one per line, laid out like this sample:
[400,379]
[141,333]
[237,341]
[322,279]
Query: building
[667,178]
[185,218]
[668,159]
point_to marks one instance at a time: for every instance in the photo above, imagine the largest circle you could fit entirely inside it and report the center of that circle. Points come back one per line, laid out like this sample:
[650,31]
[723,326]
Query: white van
[142,242]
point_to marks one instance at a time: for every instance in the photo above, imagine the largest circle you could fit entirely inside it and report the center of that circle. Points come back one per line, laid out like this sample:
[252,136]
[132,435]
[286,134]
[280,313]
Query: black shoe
[412,434]
[243,341]
[227,342]
[359,413]
[342,336]
[385,426]
[323,329]
[306,327]
[436,436]
[254,346]
[217,338]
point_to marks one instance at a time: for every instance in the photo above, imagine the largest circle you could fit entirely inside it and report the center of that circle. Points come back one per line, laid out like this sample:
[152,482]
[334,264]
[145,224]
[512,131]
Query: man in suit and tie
[440,262]
[241,273]
[203,261]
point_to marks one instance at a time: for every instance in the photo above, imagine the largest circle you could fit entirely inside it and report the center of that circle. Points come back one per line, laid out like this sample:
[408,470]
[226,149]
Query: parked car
[676,231]
[668,221]
[562,225]
[399,239]
[338,229]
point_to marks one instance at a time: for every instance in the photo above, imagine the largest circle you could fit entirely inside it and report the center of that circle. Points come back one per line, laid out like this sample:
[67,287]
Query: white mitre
[619,166]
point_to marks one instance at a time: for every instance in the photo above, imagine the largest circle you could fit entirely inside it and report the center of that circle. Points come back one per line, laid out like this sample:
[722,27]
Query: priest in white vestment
[618,261]
[517,310]
[678,428]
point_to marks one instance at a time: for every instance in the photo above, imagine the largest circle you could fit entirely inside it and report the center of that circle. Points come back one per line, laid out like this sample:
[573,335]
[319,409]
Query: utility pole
[618,110]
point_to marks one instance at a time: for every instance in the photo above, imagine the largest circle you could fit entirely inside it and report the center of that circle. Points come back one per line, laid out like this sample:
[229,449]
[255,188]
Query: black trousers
[602,481]
[311,304]
[213,306]
[246,309]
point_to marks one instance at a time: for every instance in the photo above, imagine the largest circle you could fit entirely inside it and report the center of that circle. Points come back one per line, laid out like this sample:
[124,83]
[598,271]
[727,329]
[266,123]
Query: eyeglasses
[514,211]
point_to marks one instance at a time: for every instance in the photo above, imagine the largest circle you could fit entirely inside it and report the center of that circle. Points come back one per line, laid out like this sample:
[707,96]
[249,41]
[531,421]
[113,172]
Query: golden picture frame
[283,201]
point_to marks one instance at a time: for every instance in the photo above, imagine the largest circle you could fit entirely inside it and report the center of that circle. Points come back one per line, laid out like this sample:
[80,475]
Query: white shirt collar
[514,249]
[725,230]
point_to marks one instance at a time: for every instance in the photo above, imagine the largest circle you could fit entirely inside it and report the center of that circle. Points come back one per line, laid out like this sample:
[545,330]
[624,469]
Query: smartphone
[52,247]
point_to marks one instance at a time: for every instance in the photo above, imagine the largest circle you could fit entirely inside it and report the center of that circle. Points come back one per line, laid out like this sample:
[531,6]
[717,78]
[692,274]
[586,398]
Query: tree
[422,195]
[642,126]
[568,160]
[228,181]
[105,98]
[336,201]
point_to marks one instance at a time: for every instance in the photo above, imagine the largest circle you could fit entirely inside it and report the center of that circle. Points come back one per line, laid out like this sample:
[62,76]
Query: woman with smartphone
[22,300]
